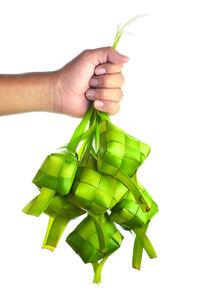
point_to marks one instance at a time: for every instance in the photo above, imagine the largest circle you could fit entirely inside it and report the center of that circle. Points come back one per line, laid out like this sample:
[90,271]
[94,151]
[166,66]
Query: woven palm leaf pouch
[95,175]
[84,241]
[94,191]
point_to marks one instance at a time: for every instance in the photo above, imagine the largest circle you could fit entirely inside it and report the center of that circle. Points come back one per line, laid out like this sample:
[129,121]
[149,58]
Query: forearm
[26,92]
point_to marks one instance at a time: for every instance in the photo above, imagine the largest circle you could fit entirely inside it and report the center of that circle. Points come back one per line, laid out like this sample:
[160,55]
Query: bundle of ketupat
[100,180]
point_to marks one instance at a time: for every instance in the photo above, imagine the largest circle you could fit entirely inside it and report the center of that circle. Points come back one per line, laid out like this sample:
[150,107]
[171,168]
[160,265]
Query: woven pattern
[130,213]
[95,191]
[61,206]
[84,239]
[57,172]
[118,150]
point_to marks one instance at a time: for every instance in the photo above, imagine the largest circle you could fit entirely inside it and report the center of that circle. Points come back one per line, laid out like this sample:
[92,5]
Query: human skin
[93,75]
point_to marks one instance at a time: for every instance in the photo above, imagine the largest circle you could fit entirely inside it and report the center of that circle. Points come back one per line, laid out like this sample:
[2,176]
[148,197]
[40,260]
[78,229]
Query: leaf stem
[98,221]
[97,270]
[138,250]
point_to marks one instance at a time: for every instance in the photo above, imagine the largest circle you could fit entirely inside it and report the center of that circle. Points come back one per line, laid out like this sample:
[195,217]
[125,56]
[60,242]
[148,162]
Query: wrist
[55,81]
[47,92]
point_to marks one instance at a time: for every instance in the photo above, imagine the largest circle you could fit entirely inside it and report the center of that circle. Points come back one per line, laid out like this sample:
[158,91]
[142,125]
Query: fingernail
[100,71]
[93,82]
[99,103]
[90,94]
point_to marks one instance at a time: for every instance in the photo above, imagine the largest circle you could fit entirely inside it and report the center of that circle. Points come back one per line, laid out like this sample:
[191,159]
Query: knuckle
[122,79]
[109,48]
[86,52]
[120,94]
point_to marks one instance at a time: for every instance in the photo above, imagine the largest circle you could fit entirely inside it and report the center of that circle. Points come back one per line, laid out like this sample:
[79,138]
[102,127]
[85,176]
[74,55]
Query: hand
[93,75]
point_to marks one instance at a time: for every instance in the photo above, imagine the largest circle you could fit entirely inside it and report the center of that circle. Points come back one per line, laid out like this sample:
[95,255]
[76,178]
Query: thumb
[106,54]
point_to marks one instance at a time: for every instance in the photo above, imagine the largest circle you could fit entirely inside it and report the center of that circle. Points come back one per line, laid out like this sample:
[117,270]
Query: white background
[160,107]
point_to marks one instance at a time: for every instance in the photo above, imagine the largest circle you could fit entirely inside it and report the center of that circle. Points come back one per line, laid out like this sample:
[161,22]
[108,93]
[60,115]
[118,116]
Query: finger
[108,106]
[106,54]
[108,81]
[108,68]
[105,94]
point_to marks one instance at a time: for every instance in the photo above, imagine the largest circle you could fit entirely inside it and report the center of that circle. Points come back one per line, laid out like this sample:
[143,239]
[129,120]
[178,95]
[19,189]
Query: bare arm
[26,92]
[93,75]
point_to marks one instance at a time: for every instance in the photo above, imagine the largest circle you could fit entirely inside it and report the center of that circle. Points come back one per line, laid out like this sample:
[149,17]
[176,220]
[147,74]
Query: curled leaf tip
[120,29]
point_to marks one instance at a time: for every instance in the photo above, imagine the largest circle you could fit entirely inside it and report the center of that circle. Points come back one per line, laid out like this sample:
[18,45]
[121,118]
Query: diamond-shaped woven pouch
[84,240]
[131,211]
[119,151]
[57,172]
[94,191]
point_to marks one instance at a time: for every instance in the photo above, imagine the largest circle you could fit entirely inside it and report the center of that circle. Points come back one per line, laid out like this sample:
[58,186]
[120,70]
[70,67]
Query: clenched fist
[93,75]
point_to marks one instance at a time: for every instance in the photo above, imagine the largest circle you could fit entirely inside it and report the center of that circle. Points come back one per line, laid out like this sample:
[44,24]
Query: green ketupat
[84,241]
[56,175]
[131,214]
[94,191]
[119,151]
[99,179]
[57,172]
